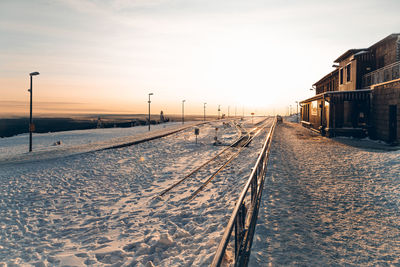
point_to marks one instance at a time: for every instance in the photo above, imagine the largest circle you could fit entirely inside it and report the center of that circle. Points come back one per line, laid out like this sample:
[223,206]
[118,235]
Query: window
[396,72]
[348,72]
[386,76]
[314,108]
[341,76]
[381,62]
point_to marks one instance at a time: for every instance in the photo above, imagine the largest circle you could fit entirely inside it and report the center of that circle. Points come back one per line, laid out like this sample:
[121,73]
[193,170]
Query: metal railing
[385,74]
[243,219]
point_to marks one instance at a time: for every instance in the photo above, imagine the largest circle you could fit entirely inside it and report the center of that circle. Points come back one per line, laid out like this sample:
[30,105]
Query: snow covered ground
[102,208]
[44,142]
[328,202]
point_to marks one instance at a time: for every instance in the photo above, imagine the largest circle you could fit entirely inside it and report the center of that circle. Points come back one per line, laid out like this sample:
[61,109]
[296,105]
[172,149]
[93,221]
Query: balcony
[385,74]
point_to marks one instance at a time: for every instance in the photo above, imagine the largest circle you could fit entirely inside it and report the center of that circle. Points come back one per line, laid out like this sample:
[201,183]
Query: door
[392,123]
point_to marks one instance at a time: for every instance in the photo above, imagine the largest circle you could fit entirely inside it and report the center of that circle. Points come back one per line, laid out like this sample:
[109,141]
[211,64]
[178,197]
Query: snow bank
[13,149]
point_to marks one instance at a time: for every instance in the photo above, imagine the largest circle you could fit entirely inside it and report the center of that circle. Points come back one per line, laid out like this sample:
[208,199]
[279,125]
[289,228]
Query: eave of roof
[390,36]
[326,76]
[349,53]
[327,94]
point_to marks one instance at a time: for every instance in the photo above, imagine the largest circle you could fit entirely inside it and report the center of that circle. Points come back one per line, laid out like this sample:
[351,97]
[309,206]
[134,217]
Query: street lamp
[204,106]
[219,109]
[31,126]
[183,111]
[149,108]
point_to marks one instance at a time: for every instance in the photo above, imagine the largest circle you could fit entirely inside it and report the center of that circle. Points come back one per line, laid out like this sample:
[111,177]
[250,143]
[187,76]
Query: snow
[292,118]
[44,141]
[15,148]
[103,208]
[328,202]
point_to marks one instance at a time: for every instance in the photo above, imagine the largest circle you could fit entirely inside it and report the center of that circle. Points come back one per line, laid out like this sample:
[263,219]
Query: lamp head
[34,73]
[151,94]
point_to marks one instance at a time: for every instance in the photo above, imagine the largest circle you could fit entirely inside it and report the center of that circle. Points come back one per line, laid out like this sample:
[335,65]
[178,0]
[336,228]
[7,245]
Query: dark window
[386,76]
[341,76]
[348,72]
[381,61]
[396,72]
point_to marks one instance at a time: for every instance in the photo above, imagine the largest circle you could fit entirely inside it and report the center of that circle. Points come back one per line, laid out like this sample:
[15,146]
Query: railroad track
[213,166]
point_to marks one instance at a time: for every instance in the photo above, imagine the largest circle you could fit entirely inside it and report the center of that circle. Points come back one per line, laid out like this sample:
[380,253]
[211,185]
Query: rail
[243,219]
[384,74]
[204,164]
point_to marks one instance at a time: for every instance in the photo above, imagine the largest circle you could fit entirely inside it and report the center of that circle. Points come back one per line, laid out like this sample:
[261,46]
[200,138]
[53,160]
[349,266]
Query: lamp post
[204,107]
[149,108]
[31,126]
[297,110]
[219,109]
[183,111]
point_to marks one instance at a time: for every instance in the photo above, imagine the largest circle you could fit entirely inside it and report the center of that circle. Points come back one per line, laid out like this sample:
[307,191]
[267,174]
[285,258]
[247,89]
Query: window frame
[348,72]
[341,76]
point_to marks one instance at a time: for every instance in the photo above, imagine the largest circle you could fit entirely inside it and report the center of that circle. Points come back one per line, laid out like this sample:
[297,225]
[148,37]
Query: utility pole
[183,111]
[149,108]
[31,126]
[204,106]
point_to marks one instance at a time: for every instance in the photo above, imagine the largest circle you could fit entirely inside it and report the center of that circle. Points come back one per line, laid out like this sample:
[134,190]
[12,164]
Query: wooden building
[353,64]
[329,82]
[386,111]
[386,65]
[361,96]
[338,113]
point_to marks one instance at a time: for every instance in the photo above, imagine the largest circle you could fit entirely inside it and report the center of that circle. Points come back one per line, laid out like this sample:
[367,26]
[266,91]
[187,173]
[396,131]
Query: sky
[104,56]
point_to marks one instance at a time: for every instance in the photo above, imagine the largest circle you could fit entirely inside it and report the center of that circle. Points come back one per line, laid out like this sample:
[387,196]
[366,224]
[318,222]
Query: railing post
[237,239]
[254,185]
[239,229]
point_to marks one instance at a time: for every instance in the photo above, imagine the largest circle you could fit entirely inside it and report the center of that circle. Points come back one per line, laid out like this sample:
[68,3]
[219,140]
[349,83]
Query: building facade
[386,112]
[361,96]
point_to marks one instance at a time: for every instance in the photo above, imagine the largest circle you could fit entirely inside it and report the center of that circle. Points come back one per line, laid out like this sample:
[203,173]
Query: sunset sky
[106,56]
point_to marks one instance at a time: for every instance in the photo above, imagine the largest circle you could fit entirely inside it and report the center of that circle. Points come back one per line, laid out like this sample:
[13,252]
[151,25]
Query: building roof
[343,95]
[332,73]
[349,53]
[390,36]
[355,51]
